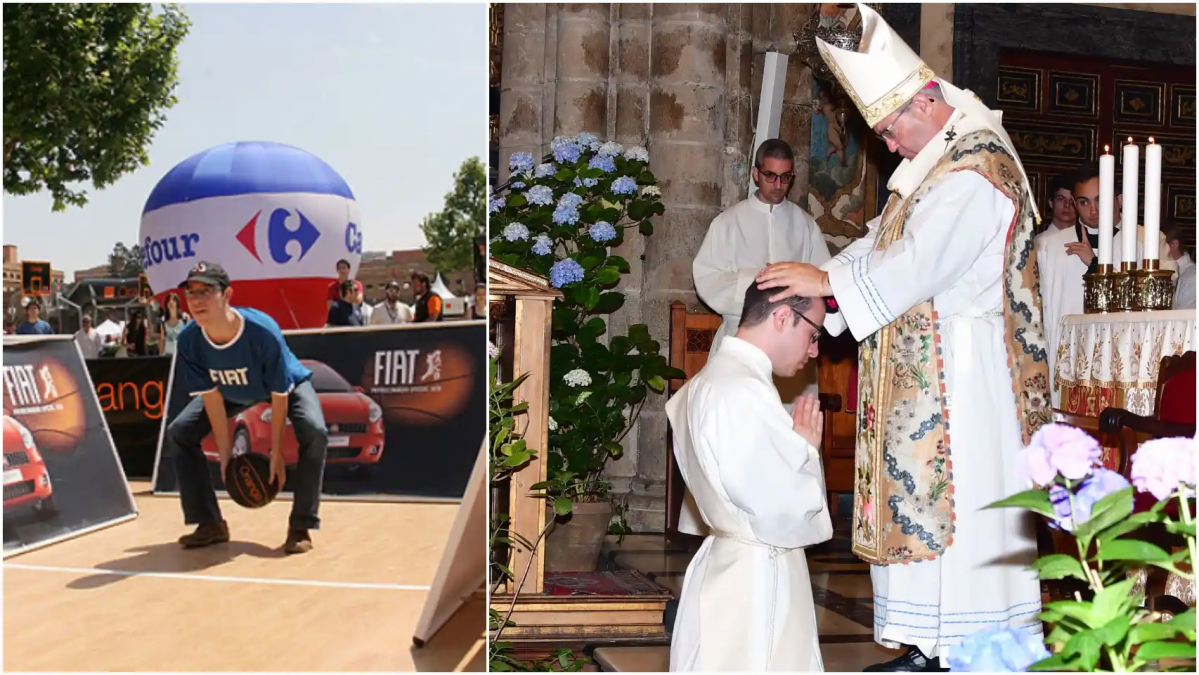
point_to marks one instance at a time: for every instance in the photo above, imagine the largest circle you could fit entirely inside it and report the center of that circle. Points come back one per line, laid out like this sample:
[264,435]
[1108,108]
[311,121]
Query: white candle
[1107,196]
[1128,218]
[1153,199]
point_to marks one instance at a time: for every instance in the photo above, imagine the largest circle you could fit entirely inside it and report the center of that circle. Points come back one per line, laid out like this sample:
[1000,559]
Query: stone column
[738,130]
[581,96]
[795,127]
[522,83]
[686,141]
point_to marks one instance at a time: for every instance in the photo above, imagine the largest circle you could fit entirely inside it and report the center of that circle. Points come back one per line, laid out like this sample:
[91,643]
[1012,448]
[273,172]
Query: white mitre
[884,73]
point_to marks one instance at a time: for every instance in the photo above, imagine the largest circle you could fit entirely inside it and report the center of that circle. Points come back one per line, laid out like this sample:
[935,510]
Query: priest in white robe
[754,470]
[942,294]
[1184,280]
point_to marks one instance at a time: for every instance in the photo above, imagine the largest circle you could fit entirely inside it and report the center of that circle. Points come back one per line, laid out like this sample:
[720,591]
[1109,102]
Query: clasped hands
[794,278]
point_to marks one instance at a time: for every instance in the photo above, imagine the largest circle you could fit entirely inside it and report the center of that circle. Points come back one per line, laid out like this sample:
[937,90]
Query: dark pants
[192,467]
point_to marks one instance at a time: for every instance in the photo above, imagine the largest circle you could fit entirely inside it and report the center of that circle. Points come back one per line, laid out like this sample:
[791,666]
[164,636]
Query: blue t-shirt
[38,328]
[248,369]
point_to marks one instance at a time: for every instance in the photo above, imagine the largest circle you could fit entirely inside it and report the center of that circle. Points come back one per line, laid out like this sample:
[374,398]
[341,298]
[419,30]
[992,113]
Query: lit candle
[1107,197]
[1153,199]
[1128,219]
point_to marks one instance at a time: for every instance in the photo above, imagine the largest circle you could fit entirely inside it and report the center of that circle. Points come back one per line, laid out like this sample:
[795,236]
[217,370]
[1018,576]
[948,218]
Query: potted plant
[560,218]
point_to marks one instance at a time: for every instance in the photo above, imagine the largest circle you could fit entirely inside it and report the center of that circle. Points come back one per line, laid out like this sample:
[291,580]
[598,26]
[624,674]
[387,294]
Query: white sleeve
[718,281]
[942,240]
[767,470]
[834,324]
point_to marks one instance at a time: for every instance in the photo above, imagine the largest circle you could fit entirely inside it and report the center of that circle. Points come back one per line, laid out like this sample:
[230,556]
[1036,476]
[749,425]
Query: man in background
[1184,280]
[343,275]
[33,323]
[391,311]
[428,304]
[88,339]
[347,311]
[1061,203]
[1065,251]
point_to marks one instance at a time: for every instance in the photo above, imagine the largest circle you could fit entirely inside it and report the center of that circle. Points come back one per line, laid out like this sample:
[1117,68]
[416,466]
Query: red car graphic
[26,480]
[355,424]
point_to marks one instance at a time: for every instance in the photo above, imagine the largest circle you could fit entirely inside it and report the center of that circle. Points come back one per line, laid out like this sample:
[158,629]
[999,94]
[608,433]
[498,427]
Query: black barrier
[61,473]
[405,407]
[132,394]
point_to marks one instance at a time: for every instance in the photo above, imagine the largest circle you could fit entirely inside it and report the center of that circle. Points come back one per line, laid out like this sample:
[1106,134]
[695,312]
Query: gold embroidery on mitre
[888,102]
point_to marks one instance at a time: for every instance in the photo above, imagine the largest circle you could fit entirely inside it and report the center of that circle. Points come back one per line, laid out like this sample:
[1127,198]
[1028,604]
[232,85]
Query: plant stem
[516,589]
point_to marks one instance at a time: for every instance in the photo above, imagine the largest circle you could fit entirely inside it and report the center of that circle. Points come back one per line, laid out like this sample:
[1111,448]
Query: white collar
[240,329]
[763,207]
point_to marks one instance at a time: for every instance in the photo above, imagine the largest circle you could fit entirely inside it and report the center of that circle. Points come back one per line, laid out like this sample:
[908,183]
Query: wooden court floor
[128,598]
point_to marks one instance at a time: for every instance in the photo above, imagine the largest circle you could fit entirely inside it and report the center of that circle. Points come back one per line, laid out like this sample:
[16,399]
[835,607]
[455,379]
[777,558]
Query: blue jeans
[192,467]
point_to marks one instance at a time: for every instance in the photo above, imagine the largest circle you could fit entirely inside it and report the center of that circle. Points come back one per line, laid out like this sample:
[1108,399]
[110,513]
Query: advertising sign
[405,409]
[132,395]
[62,477]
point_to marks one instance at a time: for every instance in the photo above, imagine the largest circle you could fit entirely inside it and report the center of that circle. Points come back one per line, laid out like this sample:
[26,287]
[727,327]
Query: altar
[1112,359]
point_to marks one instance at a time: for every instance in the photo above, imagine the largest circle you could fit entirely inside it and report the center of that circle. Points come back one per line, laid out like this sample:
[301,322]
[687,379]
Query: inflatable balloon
[275,217]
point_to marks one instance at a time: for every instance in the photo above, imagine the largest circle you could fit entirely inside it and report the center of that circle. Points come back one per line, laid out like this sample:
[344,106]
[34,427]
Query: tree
[85,88]
[124,262]
[451,233]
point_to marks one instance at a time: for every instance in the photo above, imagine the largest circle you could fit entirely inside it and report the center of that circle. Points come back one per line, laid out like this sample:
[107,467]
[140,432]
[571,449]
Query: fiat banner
[404,406]
[62,476]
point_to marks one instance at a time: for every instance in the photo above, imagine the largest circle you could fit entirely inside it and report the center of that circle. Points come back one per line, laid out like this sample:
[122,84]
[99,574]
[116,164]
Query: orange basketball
[248,481]
[421,387]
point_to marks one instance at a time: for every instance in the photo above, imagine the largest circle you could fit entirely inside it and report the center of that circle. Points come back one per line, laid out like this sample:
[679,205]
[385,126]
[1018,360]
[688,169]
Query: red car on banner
[355,424]
[26,480]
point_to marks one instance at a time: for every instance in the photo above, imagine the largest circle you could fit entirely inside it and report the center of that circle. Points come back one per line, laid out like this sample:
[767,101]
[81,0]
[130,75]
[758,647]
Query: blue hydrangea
[495,204]
[624,186]
[637,154]
[515,232]
[604,162]
[541,195]
[516,185]
[999,649]
[520,161]
[546,169]
[611,148]
[578,183]
[542,245]
[590,182]
[565,272]
[565,214]
[587,140]
[571,199]
[602,232]
[565,150]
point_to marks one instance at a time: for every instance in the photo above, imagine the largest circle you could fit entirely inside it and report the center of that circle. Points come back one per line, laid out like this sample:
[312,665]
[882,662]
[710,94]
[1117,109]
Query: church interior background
[683,80]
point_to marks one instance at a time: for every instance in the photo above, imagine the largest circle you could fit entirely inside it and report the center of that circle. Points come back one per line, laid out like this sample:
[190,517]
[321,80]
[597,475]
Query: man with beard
[942,294]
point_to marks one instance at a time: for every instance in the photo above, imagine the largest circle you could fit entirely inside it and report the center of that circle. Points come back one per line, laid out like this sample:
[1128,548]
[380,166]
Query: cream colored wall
[936,28]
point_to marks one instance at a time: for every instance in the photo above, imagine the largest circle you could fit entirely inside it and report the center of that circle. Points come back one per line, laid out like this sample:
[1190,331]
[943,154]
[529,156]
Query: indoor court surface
[128,598]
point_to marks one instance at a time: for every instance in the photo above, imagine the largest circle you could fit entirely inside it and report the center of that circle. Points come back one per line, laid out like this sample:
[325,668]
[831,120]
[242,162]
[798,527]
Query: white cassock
[952,250]
[1184,289]
[746,603]
[741,241]
[1061,287]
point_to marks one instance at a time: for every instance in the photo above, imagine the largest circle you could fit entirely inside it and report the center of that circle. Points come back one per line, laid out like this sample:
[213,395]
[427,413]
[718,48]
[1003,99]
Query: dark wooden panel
[1019,89]
[1073,94]
[1053,143]
[1182,106]
[1138,102]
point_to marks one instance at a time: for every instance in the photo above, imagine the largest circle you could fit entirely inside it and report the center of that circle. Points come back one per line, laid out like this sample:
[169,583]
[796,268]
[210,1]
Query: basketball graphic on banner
[44,397]
[420,386]
[275,217]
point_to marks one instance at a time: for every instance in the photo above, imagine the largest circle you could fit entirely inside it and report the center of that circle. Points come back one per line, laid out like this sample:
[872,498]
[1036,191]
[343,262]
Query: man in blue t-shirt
[33,324]
[229,359]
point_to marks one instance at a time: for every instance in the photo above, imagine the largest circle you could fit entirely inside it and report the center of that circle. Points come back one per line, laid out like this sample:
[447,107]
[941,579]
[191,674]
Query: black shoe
[298,541]
[206,535]
[913,661]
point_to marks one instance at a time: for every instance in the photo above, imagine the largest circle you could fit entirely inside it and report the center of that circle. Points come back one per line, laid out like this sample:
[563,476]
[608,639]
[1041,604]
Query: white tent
[438,286]
[110,327]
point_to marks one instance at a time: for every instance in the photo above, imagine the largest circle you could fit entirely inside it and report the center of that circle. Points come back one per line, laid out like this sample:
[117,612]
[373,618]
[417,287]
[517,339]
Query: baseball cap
[392,284]
[210,274]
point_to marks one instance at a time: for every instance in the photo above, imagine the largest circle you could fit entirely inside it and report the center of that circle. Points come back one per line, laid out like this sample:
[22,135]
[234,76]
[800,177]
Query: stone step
[633,659]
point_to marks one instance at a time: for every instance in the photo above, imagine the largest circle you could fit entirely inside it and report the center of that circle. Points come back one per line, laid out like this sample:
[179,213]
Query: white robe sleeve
[718,280]
[834,324]
[768,471]
[1184,292]
[942,240]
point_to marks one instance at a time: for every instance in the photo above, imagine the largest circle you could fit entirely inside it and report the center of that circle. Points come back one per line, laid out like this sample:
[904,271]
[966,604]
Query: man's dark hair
[1063,182]
[1085,173]
[347,287]
[758,307]
[343,261]
[1172,231]
[423,278]
[775,148]
[34,303]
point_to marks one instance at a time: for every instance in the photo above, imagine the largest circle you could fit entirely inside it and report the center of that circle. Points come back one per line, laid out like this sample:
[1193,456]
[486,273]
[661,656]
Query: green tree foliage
[85,88]
[124,262]
[451,233]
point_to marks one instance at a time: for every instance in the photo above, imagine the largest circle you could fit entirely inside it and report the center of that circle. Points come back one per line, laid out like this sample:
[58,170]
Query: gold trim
[888,102]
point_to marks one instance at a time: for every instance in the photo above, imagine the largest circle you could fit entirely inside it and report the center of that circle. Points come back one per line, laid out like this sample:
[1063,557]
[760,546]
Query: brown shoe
[298,541]
[206,535]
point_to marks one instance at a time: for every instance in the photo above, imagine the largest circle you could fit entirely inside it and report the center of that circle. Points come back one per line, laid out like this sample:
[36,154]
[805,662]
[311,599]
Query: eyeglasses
[819,329]
[772,177]
[888,133]
[199,293]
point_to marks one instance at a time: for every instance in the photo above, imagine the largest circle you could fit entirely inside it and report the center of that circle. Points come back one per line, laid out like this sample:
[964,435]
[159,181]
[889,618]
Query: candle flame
[1106,149]
[1130,140]
[1151,140]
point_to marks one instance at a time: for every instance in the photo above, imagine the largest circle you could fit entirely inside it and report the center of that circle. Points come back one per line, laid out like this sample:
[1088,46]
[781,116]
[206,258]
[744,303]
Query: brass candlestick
[1153,287]
[1097,290]
[1123,287]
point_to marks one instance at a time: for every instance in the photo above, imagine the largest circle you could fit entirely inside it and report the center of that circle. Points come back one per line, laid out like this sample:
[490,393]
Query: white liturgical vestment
[1184,283]
[1061,287]
[746,603]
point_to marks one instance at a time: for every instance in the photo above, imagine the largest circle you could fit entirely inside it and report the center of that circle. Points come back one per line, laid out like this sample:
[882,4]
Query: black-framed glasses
[819,329]
[772,177]
[888,132]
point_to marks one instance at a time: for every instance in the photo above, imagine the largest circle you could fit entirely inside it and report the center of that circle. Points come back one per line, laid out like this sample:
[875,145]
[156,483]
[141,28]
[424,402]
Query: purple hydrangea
[637,154]
[602,232]
[516,232]
[517,185]
[564,214]
[587,141]
[542,245]
[590,182]
[1162,465]
[564,272]
[520,161]
[999,649]
[565,150]
[1098,485]
[624,186]
[495,204]
[611,148]
[543,170]
[540,195]
[1059,448]
[492,350]
[571,200]
[603,162]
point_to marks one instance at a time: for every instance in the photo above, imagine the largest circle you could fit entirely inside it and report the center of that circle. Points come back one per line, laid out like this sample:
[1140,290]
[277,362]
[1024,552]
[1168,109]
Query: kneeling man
[754,470]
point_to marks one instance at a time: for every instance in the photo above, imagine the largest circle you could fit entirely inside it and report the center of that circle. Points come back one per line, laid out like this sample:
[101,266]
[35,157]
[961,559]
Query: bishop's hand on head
[808,420]
[793,278]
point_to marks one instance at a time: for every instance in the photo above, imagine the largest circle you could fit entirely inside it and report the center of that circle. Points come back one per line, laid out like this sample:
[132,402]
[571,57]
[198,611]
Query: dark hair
[33,303]
[1085,173]
[347,286]
[758,307]
[423,278]
[343,261]
[178,305]
[1063,182]
[775,148]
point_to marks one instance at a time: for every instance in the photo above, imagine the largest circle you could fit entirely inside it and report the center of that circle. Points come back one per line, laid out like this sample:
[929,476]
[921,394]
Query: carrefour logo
[168,249]
[279,235]
[353,239]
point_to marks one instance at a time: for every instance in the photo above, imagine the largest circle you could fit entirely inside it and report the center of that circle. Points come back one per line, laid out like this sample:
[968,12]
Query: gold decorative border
[1177,93]
[1119,115]
[1033,105]
[1095,86]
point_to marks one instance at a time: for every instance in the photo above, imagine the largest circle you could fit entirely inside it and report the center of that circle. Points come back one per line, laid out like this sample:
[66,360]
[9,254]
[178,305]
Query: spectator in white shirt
[1184,279]
[391,310]
[88,339]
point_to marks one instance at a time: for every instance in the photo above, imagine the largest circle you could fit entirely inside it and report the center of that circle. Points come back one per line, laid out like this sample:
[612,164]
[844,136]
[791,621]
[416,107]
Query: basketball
[247,481]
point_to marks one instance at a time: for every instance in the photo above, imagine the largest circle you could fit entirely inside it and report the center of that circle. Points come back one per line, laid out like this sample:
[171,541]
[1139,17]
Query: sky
[393,97]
